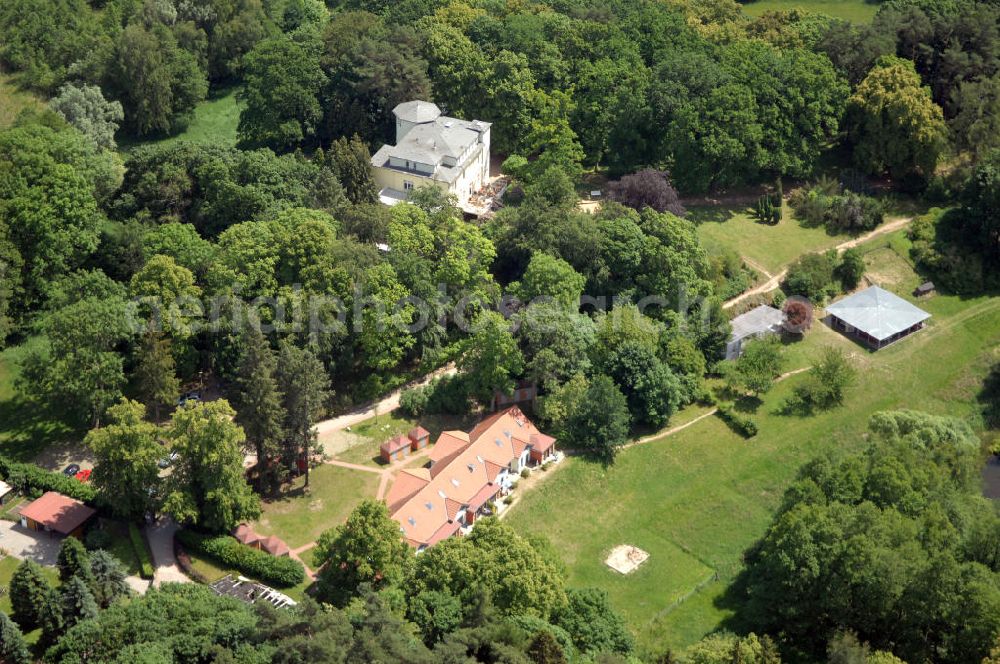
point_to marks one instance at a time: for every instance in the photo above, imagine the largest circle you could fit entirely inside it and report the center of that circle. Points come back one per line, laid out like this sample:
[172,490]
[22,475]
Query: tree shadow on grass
[701,214]
[747,404]
[989,397]
[27,428]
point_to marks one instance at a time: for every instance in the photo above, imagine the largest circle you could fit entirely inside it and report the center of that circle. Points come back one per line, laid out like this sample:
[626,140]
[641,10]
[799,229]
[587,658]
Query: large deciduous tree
[893,123]
[158,82]
[647,188]
[207,486]
[283,82]
[77,364]
[492,359]
[126,451]
[366,549]
[85,107]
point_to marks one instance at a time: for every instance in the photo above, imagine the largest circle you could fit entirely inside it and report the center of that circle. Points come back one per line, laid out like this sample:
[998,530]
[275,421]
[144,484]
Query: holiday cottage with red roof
[466,472]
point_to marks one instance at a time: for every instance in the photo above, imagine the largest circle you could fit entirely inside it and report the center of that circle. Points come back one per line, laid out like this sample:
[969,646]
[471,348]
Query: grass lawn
[857,11]
[25,429]
[120,544]
[299,518]
[13,100]
[215,121]
[698,499]
[773,247]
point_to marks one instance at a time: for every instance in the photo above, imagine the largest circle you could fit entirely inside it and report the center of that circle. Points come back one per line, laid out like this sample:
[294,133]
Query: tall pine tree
[28,592]
[258,404]
[13,649]
[305,385]
[77,602]
[156,376]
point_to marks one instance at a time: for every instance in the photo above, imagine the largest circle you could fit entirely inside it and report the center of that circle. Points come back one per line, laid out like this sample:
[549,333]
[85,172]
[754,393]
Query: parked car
[193,397]
[166,461]
[71,470]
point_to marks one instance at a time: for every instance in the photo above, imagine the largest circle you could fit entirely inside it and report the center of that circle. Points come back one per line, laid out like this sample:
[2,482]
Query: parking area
[22,543]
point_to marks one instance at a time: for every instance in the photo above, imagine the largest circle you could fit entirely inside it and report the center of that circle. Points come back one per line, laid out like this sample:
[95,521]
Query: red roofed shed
[56,513]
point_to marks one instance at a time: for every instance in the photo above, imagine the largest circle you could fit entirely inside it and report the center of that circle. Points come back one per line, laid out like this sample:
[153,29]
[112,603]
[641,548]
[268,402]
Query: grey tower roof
[417,111]
[877,312]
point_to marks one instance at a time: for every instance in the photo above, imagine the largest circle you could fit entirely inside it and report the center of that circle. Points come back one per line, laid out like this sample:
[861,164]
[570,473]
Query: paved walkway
[774,280]
[160,536]
[387,404]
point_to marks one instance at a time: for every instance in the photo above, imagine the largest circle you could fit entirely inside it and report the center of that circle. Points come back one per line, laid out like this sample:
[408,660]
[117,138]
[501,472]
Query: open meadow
[857,11]
[696,500]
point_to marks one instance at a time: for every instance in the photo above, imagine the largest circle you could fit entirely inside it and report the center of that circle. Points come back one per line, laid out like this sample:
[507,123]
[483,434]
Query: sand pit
[626,558]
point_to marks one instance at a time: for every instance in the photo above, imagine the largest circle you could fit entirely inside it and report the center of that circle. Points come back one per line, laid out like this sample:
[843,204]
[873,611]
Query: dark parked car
[193,397]
[71,470]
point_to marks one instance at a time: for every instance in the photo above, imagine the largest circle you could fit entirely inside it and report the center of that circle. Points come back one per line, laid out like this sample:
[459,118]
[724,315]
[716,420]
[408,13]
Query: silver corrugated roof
[877,312]
[756,321]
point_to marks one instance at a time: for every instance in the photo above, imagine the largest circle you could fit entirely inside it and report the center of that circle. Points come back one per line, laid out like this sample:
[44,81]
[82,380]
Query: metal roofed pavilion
[878,313]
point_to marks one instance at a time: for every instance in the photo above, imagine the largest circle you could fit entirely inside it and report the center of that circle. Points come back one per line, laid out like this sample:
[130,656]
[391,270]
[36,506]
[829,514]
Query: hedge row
[260,565]
[31,480]
[741,424]
[146,570]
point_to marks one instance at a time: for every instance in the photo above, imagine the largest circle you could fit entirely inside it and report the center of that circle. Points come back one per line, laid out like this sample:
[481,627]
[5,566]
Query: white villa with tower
[433,149]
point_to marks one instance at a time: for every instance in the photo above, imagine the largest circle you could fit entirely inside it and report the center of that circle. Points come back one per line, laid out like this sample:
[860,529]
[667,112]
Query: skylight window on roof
[506,433]
[479,459]
[429,506]
[454,481]
[497,441]
[412,521]
[442,494]
[471,467]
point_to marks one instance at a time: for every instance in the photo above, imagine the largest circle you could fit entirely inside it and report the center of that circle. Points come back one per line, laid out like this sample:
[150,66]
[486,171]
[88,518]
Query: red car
[83,476]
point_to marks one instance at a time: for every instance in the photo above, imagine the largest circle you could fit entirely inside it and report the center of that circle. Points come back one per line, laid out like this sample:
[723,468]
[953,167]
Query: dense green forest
[269,271]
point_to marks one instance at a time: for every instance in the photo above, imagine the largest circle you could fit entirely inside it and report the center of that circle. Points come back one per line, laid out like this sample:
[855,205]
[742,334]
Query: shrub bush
[413,401]
[741,424]
[810,276]
[525,473]
[146,569]
[97,538]
[29,479]
[260,565]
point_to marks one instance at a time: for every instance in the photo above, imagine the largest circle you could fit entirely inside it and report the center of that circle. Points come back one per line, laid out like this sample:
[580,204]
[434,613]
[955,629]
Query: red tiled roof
[462,471]
[452,507]
[245,534]
[485,494]
[478,430]
[519,445]
[418,432]
[275,546]
[395,444]
[444,532]
[409,481]
[58,512]
[541,442]
[492,470]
